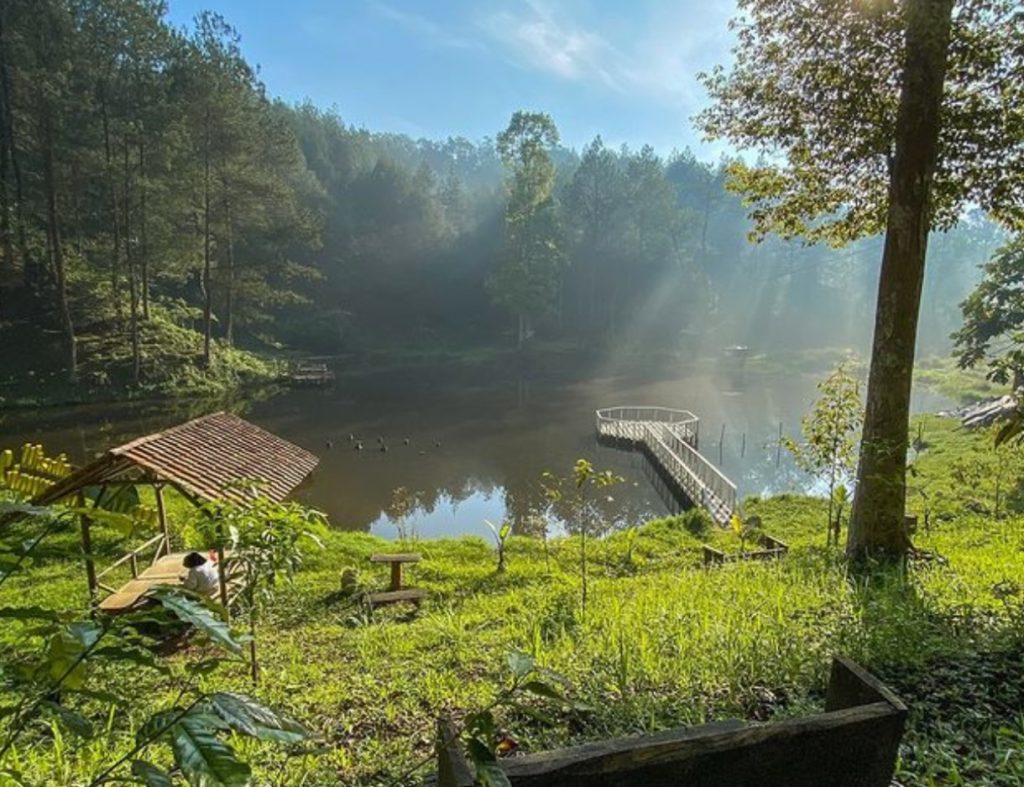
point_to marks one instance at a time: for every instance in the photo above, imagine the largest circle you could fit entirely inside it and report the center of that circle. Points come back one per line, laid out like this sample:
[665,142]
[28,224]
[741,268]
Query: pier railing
[627,422]
[670,437]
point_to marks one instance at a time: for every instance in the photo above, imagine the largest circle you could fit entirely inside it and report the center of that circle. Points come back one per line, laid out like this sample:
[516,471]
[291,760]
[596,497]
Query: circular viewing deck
[670,439]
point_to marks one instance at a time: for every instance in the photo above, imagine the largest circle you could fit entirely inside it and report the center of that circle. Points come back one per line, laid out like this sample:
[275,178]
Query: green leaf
[150,775]
[122,501]
[533,713]
[520,663]
[102,696]
[246,716]
[122,523]
[9,508]
[70,719]
[480,725]
[542,689]
[65,649]
[133,654]
[197,614]
[158,725]
[204,759]
[205,667]
[488,772]
[479,752]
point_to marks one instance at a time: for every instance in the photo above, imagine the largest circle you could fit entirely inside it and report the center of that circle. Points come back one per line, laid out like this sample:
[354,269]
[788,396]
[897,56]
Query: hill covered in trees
[158,208]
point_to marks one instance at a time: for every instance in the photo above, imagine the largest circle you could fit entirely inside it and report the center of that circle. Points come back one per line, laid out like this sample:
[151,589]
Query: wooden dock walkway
[670,440]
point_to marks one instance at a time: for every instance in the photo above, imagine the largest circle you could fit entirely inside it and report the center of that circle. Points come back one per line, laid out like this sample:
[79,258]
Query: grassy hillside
[33,368]
[662,642]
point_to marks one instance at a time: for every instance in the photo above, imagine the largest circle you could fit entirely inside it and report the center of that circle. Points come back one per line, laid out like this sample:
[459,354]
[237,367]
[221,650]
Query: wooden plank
[167,570]
[415,595]
[398,557]
[852,746]
[850,685]
[848,748]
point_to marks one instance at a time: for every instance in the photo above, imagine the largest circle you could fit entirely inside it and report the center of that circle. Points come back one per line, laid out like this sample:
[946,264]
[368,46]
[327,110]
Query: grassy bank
[33,371]
[662,642]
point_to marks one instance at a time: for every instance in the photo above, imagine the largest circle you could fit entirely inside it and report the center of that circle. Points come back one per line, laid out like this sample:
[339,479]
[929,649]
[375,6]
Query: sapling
[829,431]
[265,540]
[501,535]
[574,498]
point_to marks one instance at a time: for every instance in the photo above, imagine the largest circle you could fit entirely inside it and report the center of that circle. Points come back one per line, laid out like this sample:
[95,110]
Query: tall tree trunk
[29,265]
[57,252]
[133,289]
[6,244]
[876,526]
[143,240]
[207,288]
[229,293]
[115,215]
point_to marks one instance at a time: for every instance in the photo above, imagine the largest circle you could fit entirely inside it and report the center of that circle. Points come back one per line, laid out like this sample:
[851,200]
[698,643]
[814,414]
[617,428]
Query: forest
[334,454]
[159,208]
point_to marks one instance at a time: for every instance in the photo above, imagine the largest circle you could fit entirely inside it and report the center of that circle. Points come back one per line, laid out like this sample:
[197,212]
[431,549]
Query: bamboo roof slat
[206,457]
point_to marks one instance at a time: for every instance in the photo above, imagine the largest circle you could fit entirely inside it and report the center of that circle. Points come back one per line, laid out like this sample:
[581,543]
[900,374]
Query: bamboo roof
[205,458]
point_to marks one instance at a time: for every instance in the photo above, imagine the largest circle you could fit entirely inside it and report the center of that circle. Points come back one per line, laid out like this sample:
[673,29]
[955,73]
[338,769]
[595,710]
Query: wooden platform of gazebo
[165,571]
[209,458]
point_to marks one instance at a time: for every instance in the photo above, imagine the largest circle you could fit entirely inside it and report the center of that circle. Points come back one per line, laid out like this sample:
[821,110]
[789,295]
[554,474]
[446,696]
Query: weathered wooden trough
[852,744]
[771,549]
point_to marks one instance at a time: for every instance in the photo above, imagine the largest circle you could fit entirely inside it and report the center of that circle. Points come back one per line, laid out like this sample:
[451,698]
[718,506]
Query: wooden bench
[396,592]
[414,595]
[852,744]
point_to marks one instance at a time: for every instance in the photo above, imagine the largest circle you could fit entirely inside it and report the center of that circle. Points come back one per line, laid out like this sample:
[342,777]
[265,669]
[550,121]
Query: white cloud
[426,29]
[660,63]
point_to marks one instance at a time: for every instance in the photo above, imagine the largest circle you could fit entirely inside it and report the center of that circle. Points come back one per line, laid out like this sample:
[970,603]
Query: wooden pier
[670,440]
[310,374]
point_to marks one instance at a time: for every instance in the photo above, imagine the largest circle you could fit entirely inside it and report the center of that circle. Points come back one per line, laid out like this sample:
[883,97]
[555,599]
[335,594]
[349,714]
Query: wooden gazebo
[203,460]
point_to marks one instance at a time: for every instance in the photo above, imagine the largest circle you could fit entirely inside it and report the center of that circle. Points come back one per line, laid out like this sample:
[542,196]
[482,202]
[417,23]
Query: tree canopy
[993,329]
[815,87]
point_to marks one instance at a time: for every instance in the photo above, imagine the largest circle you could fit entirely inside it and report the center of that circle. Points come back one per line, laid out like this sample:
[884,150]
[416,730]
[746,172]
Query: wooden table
[397,561]
[397,592]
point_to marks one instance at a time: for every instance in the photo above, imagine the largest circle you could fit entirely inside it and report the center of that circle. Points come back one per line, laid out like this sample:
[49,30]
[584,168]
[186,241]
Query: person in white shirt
[202,574]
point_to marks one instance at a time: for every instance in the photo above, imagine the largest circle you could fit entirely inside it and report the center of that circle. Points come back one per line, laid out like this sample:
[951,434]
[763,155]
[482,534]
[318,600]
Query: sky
[624,69]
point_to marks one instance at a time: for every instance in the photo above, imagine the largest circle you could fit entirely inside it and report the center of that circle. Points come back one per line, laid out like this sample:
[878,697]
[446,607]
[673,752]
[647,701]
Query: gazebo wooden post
[90,565]
[158,488]
[222,573]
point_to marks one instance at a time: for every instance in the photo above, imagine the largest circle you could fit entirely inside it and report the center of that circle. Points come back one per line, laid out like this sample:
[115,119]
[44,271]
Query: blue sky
[625,69]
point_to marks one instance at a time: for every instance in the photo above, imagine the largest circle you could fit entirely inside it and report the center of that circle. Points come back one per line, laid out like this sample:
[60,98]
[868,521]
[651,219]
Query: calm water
[476,450]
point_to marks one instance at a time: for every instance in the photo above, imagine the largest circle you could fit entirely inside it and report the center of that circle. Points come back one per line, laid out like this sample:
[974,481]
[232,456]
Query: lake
[476,449]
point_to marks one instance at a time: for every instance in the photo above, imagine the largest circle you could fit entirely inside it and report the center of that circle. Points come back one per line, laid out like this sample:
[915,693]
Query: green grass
[33,372]
[662,642]
[943,376]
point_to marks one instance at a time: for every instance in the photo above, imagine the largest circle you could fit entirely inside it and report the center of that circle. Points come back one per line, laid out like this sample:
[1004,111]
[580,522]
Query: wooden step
[414,595]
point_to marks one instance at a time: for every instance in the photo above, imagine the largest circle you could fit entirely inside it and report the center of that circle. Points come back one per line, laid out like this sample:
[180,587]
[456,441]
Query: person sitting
[202,574]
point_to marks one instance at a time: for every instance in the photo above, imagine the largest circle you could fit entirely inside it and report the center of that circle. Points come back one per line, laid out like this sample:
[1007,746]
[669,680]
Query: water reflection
[464,450]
